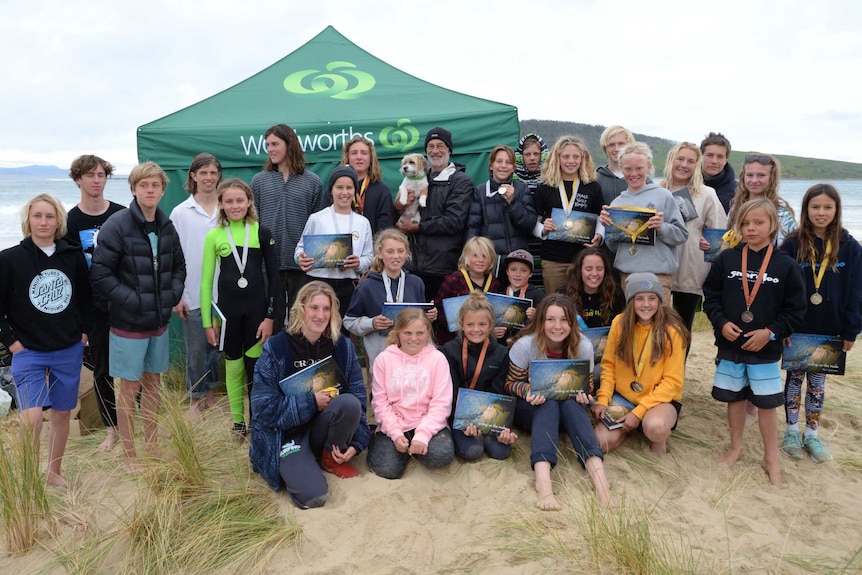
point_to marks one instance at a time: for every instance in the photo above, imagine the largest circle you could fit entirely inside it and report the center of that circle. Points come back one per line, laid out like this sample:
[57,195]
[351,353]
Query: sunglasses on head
[765,160]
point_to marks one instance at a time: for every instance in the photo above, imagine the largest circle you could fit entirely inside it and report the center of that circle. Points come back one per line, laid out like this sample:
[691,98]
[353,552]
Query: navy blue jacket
[838,314]
[275,412]
[509,226]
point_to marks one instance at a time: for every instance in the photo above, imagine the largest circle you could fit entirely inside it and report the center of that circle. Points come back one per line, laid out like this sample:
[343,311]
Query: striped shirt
[284,207]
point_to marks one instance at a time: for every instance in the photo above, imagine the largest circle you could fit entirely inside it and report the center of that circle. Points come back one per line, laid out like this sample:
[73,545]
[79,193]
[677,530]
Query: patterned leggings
[814,395]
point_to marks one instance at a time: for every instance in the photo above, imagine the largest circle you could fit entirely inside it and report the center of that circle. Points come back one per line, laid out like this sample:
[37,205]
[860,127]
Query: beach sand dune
[480,517]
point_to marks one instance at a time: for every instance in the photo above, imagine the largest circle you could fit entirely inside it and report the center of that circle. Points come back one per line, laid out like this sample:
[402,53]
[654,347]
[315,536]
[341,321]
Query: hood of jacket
[521,171]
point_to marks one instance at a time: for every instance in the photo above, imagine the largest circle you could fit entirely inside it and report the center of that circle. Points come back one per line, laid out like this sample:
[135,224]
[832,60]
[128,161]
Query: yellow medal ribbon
[645,353]
[470,284]
[359,197]
[638,232]
[818,275]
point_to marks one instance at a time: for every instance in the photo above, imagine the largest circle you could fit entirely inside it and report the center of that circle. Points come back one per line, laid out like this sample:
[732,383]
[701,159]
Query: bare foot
[730,457]
[197,409]
[773,470]
[658,446]
[132,467]
[57,480]
[110,440]
[546,500]
[210,400]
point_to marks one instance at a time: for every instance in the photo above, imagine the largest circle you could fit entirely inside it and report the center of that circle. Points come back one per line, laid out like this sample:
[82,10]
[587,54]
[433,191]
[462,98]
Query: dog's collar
[422,177]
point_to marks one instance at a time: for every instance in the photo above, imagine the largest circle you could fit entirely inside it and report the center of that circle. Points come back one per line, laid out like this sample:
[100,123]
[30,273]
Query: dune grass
[588,538]
[24,501]
[197,509]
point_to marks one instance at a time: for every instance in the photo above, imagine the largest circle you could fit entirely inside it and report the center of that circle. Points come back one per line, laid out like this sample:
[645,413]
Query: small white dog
[413,168]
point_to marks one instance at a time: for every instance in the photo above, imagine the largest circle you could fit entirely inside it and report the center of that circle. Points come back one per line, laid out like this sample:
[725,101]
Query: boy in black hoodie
[46,312]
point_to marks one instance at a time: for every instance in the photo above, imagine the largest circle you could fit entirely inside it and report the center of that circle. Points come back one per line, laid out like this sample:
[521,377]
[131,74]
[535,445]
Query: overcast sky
[780,77]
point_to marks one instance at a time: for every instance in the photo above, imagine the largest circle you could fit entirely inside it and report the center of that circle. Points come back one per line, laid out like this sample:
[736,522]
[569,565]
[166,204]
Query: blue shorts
[132,357]
[48,379]
[759,383]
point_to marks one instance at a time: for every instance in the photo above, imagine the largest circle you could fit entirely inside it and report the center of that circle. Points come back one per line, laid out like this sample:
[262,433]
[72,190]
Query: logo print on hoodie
[51,291]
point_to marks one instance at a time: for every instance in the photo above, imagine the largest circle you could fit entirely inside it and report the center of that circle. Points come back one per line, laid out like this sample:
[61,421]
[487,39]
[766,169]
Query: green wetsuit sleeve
[207,276]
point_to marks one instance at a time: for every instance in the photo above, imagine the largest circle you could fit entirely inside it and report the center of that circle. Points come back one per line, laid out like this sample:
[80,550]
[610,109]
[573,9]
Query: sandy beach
[692,514]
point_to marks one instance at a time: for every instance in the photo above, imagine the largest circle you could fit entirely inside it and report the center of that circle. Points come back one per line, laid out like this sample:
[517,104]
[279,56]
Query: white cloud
[773,76]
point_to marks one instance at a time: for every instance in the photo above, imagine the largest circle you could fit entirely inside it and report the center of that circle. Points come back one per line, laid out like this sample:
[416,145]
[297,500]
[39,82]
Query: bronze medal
[747,316]
[637,386]
[633,251]
[816,298]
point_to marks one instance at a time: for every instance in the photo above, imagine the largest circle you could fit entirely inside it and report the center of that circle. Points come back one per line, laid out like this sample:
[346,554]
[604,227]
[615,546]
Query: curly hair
[551,174]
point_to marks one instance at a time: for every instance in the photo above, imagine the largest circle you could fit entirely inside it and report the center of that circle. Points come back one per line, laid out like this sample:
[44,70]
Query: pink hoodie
[411,392]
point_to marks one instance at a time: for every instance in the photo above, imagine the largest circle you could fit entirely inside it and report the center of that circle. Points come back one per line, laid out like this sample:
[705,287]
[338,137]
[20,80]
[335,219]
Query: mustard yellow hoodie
[662,381]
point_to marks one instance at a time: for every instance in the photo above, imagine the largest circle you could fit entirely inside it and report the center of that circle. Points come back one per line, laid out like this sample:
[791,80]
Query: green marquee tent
[328,90]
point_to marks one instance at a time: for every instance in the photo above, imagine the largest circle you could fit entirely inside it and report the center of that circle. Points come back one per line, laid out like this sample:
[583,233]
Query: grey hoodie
[662,257]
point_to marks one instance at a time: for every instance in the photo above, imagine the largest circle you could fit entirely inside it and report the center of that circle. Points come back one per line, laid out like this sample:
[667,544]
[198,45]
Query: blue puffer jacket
[141,289]
[509,226]
[275,412]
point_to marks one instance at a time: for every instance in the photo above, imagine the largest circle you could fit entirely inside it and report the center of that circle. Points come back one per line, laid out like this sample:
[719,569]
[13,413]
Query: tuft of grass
[598,540]
[851,565]
[198,510]
[173,532]
[849,463]
[24,503]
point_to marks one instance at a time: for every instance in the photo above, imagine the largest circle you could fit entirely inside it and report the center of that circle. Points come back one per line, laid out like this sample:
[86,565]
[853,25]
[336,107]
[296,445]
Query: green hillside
[792,167]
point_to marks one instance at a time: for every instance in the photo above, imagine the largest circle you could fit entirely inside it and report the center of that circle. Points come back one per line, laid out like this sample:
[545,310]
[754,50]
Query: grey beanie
[643,282]
[340,172]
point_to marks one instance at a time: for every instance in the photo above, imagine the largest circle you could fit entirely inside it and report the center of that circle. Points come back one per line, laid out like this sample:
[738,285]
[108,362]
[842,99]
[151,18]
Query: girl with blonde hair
[683,170]
[568,183]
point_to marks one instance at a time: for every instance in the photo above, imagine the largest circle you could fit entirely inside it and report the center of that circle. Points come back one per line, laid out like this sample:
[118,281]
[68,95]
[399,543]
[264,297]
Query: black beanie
[340,172]
[439,134]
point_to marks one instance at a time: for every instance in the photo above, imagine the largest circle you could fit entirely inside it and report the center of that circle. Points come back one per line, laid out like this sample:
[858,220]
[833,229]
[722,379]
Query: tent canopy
[327,90]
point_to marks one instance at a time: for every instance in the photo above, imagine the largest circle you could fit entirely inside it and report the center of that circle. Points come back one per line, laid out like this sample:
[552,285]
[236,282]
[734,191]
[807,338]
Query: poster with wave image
[814,353]
[559,378]
[489,412]
[328,250]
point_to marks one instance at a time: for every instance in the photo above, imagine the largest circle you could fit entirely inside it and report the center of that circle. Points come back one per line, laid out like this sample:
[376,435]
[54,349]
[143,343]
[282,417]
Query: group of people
[242,247]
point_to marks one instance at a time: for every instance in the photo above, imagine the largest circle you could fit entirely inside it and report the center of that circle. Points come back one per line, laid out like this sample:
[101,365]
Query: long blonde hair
[297,310]
[374,172]
[695,182]
[551,175]
[59,212]
[382,236]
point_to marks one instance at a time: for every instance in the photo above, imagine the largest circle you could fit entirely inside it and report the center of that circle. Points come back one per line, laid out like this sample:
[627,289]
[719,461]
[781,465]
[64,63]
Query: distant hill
[792,167]
[34,171]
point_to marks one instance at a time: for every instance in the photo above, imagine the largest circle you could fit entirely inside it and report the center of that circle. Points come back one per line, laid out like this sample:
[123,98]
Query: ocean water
[16,190]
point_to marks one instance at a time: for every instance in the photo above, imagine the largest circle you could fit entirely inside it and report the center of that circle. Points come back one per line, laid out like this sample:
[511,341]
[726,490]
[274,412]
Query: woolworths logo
[403,137]
[341,81]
